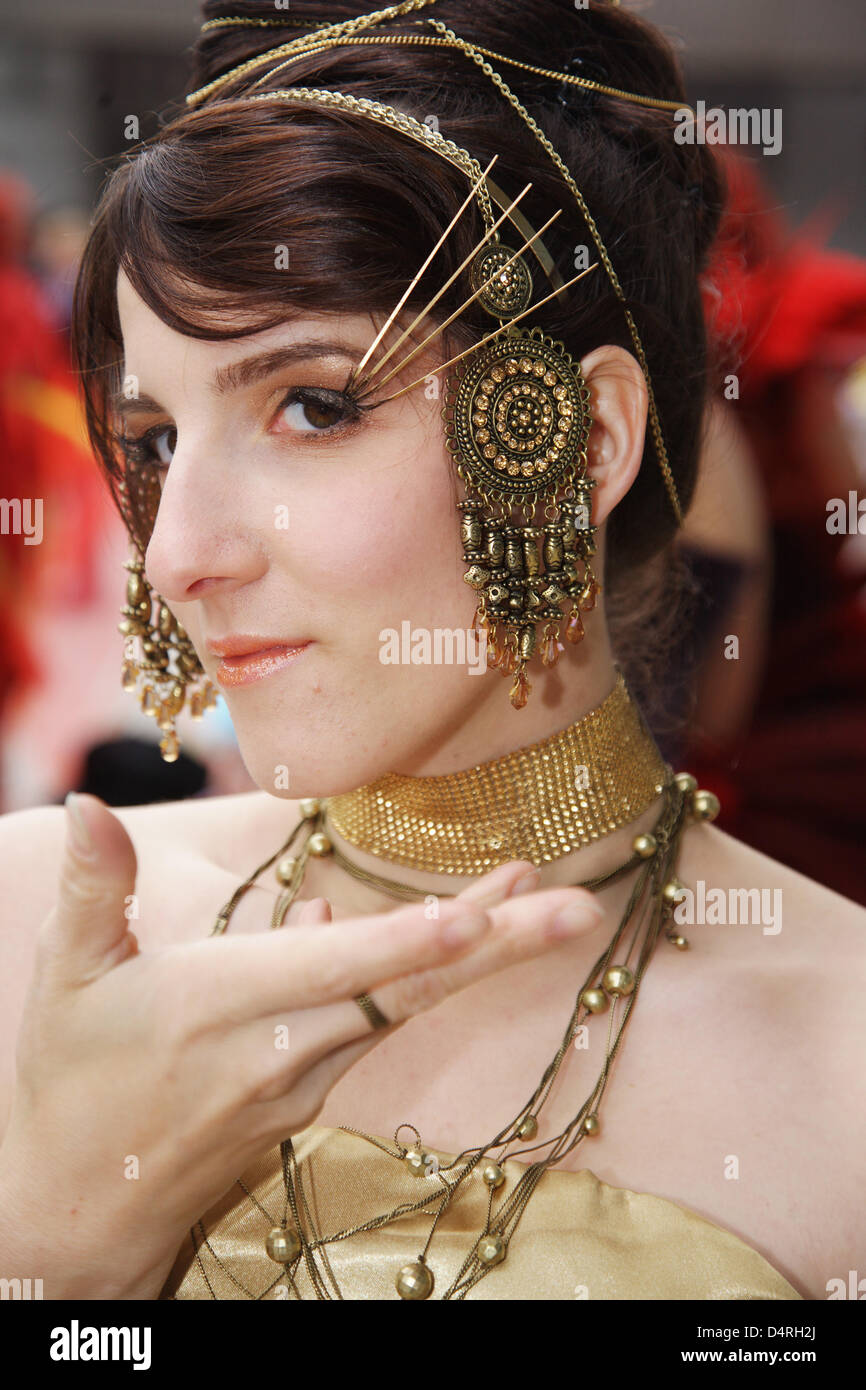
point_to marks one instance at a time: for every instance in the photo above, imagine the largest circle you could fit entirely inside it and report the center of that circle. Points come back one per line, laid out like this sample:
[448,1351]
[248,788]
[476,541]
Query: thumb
[87,933]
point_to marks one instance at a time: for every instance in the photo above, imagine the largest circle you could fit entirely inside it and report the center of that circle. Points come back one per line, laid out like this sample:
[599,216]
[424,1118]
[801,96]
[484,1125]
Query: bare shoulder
[806,910]
[223,830]
[217,828]
[802,944]
[792,975]
[173,838]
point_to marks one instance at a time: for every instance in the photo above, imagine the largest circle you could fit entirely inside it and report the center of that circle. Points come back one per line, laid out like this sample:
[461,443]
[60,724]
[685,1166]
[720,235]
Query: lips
[246,659]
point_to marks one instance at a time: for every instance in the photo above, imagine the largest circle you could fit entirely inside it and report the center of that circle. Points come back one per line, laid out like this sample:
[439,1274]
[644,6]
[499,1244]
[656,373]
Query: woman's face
[282,522]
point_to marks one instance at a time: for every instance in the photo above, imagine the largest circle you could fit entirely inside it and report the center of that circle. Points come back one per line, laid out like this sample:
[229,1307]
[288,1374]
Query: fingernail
[526,883]
[78,831]
[468,927]
[577,916]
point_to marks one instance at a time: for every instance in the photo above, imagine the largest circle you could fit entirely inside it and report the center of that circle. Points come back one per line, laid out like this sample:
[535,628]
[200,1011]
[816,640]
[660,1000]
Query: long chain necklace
[612,985]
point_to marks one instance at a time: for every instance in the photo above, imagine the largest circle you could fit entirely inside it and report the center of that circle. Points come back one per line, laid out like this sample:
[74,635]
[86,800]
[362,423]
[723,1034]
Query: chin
[291,759]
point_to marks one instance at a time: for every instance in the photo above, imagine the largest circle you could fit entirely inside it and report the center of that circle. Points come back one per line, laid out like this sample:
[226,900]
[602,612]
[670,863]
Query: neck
[493,728]
[570,801]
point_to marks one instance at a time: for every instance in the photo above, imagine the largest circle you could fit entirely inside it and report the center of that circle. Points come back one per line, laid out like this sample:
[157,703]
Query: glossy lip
[249,659]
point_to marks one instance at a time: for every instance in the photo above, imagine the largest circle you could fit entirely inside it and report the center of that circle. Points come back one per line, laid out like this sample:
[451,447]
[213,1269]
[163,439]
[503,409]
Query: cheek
[387,547]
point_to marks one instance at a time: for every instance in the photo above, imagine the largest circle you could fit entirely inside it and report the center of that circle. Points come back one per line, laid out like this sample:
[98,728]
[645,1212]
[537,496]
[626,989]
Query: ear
[618,401]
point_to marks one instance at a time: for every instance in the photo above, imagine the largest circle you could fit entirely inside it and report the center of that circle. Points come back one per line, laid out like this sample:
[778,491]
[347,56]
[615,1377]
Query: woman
[237,300]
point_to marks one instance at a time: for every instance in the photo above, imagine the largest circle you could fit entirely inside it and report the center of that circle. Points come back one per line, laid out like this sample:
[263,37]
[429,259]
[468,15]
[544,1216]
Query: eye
[163,450]
[315,412]
[152,447]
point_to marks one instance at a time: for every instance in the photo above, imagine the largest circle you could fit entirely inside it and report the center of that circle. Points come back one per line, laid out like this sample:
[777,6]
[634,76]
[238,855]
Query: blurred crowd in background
[778,731]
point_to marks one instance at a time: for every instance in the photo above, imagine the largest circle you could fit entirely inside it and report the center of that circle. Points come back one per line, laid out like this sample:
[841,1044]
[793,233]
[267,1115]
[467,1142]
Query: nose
[201,541]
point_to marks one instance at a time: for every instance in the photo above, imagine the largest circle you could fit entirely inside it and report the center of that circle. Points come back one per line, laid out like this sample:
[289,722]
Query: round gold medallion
[517,415]
[507,287]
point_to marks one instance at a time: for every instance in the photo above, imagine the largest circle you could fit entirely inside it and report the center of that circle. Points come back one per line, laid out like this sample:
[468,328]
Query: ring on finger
[371,1011]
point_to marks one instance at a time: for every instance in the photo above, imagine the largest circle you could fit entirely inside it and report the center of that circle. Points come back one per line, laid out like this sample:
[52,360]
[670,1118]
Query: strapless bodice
[578,1237]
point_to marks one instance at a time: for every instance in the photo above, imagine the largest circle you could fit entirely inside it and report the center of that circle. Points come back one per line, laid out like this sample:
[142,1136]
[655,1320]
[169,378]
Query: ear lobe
[619,401]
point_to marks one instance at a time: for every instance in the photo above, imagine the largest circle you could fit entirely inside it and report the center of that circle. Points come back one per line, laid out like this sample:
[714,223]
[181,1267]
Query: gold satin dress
[578,1238]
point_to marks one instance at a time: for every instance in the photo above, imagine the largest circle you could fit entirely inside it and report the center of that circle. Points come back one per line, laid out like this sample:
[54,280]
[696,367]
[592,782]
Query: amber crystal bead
[494,652]
[170,747]
[549,652]
[587,599]
[519,693]
[574,630]
[506,661]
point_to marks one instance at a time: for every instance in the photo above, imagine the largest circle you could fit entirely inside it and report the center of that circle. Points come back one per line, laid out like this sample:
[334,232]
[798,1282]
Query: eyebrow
[245,372]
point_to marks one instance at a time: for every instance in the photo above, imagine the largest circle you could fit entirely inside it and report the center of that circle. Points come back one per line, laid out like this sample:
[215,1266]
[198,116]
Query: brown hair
[194,215]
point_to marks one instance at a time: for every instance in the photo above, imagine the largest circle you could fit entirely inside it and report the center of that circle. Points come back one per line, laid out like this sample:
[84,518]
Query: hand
[147,1081]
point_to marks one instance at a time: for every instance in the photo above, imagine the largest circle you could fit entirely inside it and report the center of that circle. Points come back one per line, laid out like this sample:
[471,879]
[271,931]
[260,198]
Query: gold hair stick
[356,373]
[458,312]
[502,329]
[425,311]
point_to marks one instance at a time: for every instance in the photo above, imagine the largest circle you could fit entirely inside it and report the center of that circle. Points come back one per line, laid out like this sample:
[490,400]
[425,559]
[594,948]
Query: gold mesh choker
[536,803]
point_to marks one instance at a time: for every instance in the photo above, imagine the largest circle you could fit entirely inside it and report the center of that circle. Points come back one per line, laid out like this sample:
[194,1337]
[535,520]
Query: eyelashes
[138,449]
[316,402]
[323,402]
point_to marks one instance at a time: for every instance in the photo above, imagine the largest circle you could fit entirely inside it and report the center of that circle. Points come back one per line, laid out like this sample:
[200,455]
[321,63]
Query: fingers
[507,880]
[323,1042]
[87,933]
[311,967]
[333,961]
[522,931]
[316,910]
